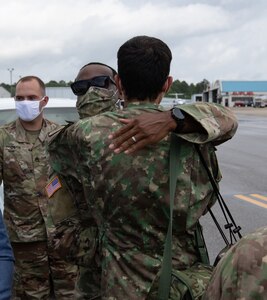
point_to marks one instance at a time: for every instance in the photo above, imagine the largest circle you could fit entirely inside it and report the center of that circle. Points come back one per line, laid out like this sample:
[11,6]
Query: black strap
[224,207]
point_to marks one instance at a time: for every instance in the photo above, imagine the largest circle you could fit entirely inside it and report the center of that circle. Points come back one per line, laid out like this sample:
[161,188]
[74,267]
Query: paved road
[244,168]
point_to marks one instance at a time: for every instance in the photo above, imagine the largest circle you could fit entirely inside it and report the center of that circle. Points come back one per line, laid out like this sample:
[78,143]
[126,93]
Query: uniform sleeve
[65,152]
[6,262]
[219,122]
[60,154]
[79,141]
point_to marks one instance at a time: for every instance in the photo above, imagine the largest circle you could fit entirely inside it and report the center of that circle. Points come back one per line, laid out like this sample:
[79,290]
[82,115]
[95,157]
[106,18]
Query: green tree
[51,83]
[201,86]
[184,90]
[62,83]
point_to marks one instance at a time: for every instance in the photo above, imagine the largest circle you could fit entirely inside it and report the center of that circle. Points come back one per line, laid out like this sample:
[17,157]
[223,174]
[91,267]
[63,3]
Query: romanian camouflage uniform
[128,197]
[242,272]
[75,232]
[24,172]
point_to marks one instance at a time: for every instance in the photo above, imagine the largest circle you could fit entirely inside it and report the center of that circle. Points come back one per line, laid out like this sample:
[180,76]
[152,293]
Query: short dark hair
[29,78]
[143,67]
[114,72]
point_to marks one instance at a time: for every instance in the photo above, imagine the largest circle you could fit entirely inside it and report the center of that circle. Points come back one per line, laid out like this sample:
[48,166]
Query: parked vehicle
[244,103]
[261,103]
[239,104]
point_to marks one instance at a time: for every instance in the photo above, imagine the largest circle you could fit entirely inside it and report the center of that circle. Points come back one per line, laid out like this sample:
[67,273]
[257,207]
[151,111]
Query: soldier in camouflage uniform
[242,272]
[74,234]
[128,196]
[39,271]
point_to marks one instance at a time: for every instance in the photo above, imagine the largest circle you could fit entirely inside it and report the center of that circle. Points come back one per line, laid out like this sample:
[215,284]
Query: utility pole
[10,71]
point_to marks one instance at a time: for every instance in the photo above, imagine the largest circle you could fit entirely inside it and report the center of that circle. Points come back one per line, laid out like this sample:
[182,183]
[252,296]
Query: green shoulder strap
[166,269]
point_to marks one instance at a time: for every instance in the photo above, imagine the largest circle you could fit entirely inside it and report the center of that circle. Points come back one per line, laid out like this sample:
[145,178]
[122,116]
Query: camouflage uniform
[24,171]
[242,272]
[74,235]
[128,197]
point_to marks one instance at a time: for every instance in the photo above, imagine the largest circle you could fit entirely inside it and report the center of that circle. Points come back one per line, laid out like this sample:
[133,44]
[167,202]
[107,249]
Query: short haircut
[114,72]
[30,78]
[143,67]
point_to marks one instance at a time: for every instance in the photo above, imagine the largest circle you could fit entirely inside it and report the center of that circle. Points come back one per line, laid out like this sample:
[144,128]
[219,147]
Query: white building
[4,93]
[60,92]
[236,93]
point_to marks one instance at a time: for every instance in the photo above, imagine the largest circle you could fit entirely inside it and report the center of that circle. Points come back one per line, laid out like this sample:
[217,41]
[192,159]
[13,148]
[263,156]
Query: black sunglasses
[80,87]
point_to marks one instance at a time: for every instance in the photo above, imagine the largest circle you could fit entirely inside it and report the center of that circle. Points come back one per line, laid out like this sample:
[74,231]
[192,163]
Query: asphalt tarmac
[242,161]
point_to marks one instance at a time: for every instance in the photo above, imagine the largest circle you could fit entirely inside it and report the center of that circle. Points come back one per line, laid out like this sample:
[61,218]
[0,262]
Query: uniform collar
[21,132]
[141,104]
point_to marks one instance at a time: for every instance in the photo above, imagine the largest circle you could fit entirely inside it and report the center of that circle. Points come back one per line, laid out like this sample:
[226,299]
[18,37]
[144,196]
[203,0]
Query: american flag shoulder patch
[53,186]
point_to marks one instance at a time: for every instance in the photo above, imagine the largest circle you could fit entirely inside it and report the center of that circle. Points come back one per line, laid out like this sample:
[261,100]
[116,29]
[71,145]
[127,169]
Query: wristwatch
[179,118]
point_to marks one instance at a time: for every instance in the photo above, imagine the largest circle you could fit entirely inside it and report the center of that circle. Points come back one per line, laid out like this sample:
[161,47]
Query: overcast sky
[212,39]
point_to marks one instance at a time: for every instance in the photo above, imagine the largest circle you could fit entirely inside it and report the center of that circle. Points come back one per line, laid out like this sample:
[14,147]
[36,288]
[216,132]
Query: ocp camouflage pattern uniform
[242,272]
[24,172]
[75,232]
[128,197]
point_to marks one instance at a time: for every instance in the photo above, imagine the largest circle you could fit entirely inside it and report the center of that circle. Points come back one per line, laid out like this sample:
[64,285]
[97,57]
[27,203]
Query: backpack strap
[201,245]
[225,210]
[166,269]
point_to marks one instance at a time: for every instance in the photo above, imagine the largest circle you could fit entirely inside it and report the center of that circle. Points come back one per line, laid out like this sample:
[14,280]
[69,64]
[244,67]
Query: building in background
[197,97]
[4,93]
[237,93]
[60,92]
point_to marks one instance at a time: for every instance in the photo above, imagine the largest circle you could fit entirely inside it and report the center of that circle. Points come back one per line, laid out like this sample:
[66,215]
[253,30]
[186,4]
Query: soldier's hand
[145,129]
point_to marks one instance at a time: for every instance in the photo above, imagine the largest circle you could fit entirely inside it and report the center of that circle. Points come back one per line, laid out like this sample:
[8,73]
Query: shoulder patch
[53,186]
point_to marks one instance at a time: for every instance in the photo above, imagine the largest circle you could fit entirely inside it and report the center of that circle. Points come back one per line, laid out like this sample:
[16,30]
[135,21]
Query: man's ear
[167,84]
[119,86]
[46,98]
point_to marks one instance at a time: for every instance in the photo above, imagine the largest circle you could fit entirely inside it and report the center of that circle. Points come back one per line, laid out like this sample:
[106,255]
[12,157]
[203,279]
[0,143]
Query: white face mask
[28,110]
